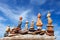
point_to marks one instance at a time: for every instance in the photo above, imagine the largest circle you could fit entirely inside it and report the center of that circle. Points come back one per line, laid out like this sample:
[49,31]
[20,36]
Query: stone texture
[29,37]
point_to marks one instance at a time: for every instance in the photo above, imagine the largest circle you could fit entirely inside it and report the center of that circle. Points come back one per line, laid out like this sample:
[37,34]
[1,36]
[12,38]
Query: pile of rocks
[15,31]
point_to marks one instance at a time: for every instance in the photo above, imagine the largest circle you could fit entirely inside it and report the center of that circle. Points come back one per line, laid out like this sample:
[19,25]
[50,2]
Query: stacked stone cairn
[17,30]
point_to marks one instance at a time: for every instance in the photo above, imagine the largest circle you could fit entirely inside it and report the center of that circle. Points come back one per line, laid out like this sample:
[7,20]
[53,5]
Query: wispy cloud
[56,31]
[2,28]
[57,35]
[10,13]
[2,19]
[38,2]
[58,12]
[13,14]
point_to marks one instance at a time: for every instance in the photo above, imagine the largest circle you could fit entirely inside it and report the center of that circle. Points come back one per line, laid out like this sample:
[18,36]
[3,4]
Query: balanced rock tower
[7,31]
[20,22]
[50,30]
[26,26]
[32,25]
[39,22]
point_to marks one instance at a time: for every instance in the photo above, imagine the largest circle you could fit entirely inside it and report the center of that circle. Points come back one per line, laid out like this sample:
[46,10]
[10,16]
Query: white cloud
[2,19]
[2,29]
[57,35]
[58,12]
[10,13]
[38,2]
[56,31]
[13,14]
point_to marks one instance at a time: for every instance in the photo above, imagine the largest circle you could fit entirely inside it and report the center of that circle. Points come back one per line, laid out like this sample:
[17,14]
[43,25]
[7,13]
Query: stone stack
[49,32]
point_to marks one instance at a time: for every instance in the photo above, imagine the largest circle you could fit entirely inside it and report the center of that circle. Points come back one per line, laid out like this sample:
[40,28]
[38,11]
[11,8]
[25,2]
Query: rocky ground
[29,37]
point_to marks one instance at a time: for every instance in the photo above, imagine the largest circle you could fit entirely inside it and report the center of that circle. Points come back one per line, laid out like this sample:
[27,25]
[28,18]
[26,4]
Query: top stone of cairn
[49,19]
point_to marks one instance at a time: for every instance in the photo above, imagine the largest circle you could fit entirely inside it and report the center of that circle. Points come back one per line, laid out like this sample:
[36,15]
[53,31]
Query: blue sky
[11,10]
